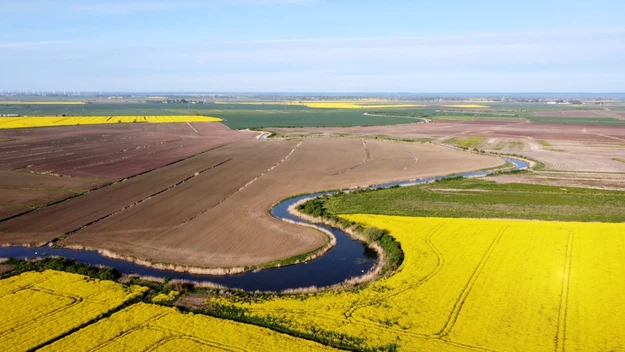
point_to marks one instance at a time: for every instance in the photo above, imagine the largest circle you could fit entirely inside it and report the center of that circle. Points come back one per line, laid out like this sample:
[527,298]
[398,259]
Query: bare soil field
[109,152]
[565,147]
[568,179]
[7,211]
[24,180]
[573,156]
[44,225]
[580,156]
[20,192]
[211,210]
[31,198]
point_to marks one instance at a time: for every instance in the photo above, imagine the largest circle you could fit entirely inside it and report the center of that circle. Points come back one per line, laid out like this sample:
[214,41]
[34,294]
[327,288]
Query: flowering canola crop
[142,327]
[467,106]
[38,307]
[166,298]
[46,121]
[478,284]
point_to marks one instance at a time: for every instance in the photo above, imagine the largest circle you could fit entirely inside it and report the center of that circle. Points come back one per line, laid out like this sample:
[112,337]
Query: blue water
[347,259]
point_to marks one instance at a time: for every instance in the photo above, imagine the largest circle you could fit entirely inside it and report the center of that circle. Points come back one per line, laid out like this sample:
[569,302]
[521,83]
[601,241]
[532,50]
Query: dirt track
[219,217]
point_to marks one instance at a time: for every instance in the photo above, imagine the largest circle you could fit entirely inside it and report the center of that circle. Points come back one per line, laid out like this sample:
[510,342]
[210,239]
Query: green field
[236,116]
[478,198]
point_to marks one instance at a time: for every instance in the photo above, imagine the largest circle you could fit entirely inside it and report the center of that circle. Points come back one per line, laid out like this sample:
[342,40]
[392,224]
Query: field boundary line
[163,190]
[193,128]
[140,326]
[367,159]
[110,183]
[112,161]
[53,146]
[243,187]
[564,294]
[412,162]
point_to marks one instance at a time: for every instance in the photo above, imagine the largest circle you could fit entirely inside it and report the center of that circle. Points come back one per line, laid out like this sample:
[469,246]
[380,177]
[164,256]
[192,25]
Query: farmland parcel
[469,284]
[211,210]
[38,308]
[46,121]
[150,327]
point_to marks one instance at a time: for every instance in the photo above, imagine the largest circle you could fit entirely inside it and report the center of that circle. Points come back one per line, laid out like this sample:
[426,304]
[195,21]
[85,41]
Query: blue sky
[313,46]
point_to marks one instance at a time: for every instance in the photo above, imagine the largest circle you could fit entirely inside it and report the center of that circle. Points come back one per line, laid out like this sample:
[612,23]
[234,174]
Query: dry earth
[569,147]
[21,192]
[570,179]
[211,210]
[108,152]
[509,129]
[42,166]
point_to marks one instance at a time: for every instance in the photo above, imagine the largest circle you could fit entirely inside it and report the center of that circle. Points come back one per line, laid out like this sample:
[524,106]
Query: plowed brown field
[512,129]
[578,113]
[109,152]
[563,147]
[22,192]
[90,156]
[211,210]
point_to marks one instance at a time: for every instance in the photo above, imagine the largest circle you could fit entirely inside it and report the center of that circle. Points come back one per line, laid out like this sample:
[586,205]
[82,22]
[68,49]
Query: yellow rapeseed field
[467,106]
[38,307]
[47,121]
[142,327]
[42,102]
[472,284]
[165,298]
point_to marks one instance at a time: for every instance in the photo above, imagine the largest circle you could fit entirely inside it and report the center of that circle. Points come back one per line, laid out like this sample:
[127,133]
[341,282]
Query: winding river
[349,258]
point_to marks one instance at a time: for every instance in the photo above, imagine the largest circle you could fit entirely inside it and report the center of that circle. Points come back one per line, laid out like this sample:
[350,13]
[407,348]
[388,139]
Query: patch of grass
[620,160]
[516,145]
[499,146]
[545,143]
[473,198]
